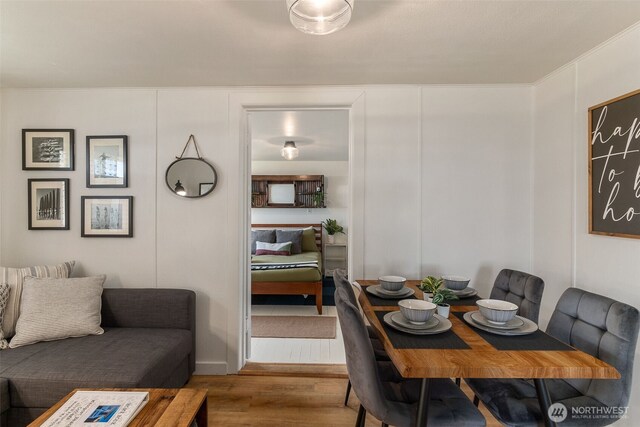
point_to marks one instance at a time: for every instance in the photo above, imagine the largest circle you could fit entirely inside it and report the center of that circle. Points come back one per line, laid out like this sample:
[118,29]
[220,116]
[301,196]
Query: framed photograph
[47,149]
[48,204]
[205,187]
[107,165]
[107,216]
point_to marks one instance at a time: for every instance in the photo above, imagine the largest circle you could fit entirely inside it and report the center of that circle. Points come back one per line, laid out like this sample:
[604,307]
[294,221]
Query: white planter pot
[426,296]
[443,310]
[331,238]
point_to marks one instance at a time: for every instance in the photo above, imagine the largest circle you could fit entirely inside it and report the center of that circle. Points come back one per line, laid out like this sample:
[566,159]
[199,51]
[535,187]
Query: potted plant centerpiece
[429,285]
[439,297]
[332,228]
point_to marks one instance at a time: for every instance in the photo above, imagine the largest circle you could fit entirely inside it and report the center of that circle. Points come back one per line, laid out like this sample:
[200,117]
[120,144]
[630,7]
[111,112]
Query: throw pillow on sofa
[4,298]
[263,248]
[54,309]
[14,278]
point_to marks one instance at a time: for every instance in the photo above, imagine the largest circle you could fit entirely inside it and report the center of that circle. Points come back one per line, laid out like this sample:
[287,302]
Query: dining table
[465,351]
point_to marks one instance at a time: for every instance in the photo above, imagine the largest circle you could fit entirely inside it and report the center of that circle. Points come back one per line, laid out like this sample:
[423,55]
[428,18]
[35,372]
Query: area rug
[323,327]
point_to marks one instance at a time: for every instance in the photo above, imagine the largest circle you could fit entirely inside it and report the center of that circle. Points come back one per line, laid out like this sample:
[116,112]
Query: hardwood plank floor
[274,400]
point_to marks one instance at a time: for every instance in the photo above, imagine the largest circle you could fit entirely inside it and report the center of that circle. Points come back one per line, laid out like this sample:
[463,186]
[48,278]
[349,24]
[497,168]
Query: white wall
[414,201]
[336,179]
[564,253]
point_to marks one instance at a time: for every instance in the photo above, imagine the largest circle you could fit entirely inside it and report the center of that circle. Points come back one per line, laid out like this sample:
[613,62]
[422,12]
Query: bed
[299,274]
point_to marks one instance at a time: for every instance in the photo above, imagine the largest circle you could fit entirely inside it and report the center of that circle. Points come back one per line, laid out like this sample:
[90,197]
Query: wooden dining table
[479,358]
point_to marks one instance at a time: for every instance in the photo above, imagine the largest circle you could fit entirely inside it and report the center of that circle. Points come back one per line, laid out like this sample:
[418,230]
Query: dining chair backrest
[361,361]
[606,329]
[522,289]
[341,282]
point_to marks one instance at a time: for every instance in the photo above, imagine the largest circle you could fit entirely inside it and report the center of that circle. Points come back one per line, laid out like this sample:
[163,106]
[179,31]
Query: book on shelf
[104,408]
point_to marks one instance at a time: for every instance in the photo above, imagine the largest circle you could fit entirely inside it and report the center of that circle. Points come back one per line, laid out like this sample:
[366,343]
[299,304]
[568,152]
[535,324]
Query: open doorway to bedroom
[299,181]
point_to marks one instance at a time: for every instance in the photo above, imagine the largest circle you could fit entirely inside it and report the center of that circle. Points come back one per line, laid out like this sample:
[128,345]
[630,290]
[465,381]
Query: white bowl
[497,311]
[416,311]
[392,283]
[457,283]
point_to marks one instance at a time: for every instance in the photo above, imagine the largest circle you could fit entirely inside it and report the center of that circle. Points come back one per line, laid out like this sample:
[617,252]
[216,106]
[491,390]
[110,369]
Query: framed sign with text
[614,167]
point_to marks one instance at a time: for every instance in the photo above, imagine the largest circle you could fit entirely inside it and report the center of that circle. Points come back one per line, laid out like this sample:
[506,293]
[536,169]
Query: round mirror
[191,177]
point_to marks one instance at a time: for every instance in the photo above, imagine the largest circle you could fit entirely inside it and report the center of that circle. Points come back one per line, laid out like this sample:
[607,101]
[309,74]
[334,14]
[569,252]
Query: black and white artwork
[47,149]
[107,161]
[107,216]
[48,204]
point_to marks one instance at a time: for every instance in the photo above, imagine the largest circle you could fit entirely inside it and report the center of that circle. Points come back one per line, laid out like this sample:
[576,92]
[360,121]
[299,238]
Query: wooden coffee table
[169,407]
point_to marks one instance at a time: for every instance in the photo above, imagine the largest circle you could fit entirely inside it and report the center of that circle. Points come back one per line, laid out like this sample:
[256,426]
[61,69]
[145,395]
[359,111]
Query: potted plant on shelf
[318,198]
[439,297]
[332,228]
[429,285]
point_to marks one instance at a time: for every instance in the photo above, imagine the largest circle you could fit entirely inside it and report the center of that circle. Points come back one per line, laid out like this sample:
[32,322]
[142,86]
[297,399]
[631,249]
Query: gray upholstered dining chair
[600,326]
[341,282]
[522,289]
[395,402]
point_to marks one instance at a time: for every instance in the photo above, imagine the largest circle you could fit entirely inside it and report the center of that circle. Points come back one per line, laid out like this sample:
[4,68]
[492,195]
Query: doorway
[300,179]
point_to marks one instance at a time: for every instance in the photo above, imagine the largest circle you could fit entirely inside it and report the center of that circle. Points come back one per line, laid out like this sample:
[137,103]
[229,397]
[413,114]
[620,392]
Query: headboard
[317,228]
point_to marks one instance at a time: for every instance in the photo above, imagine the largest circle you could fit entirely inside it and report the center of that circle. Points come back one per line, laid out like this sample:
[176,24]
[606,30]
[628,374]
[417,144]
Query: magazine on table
[103,408]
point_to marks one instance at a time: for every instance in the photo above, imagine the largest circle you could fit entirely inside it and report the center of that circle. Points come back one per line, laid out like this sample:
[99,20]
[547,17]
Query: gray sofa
[149,341]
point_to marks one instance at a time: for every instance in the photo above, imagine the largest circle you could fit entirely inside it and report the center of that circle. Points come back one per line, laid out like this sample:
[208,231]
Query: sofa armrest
[151,308]
[5,403]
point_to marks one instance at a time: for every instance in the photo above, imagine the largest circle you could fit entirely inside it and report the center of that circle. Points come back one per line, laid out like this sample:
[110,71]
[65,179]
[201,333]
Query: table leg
[423,403]
[545,401]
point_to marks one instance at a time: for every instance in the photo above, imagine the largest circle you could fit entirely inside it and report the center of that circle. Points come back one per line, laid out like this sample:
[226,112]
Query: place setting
[390,288]
[459,286]
[417,317]
[499,317]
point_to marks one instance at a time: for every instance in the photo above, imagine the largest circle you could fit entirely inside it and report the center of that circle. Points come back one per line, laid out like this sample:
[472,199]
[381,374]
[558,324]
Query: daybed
[149,342]
[288,280]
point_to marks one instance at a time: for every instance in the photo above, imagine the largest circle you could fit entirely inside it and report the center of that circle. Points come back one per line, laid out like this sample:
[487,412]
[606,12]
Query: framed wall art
[106,216]
[48,204]
[47,149]
[107,164]
[614,167]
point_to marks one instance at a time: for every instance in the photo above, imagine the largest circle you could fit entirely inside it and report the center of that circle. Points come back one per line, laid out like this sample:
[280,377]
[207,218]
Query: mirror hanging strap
[195,144]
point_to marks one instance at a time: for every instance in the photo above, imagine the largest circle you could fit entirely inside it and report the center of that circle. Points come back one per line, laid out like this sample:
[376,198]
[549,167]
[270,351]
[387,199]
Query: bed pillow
[268,236]
[293,236]
[309,240]
[263,248]
[55,309]
[14,278]
[4,298]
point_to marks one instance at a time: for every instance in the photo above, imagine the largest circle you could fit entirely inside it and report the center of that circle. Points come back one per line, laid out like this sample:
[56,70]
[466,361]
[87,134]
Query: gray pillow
[4,299]
[293,236]
[54,309]
[267,236]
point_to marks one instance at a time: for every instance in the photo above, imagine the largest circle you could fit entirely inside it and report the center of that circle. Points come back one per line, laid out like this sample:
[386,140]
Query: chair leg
[476,400]
[458,382]
[362,415]
[346,396]
[385,424]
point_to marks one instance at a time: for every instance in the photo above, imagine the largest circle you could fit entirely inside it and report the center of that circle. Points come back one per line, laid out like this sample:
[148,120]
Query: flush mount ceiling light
[319,17]
[289,151]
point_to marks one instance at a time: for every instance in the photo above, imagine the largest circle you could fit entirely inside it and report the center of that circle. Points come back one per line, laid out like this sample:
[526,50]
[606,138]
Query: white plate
[400,320]
[465,293]
[401,292]
[529,327]
[443,325]
[375,290]
[515,323]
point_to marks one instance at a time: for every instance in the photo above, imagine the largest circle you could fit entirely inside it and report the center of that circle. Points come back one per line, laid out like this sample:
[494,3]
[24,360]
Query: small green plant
[332,227]
[443,294]
[430,284]
[318,198]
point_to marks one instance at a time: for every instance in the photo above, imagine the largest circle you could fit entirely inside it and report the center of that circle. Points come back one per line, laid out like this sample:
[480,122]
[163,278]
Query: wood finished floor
[273,400]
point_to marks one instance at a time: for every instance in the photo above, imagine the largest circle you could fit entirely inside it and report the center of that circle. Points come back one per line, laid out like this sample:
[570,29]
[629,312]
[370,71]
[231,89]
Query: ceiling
[127,43]
[320,135]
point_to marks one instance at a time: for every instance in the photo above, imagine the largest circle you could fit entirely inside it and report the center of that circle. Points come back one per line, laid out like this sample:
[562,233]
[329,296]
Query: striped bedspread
[283,265]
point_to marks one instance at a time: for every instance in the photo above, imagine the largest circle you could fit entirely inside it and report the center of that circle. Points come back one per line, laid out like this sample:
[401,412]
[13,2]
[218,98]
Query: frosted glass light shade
[319,17]
[289,151]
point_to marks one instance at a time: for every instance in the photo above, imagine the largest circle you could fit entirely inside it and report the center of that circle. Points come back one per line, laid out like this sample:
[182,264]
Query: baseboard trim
[211,368]
[294,370]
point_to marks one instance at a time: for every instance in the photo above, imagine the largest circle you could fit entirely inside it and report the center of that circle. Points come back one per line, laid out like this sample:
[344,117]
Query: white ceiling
[98,43]
[320,135]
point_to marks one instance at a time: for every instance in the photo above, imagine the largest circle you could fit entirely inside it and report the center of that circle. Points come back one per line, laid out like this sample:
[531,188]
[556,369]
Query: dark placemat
[382,302]
[401,340]
[464,301]
[535,341]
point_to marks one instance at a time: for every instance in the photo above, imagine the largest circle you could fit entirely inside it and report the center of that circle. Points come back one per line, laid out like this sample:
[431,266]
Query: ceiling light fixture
[180,191]
[289,151]
[320,17]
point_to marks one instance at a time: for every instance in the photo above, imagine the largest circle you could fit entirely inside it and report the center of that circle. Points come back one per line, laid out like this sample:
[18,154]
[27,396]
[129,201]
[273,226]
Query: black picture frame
[87,228]
[121,177]
[59,143]
[205,188]
[53,201]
